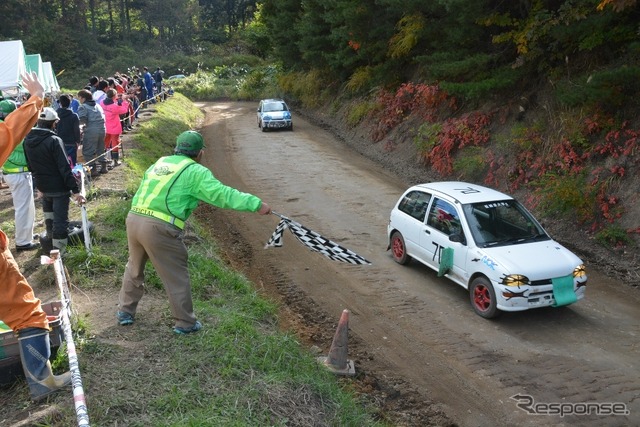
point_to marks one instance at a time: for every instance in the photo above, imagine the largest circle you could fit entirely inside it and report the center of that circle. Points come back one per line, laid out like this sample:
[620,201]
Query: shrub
[471,164]
[613,236]
[360,110]
[566,195]
[426,101]
[438,144]
[310,88]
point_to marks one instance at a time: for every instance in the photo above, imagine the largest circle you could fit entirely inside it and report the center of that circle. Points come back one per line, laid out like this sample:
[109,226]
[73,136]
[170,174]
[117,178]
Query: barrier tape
[83,211]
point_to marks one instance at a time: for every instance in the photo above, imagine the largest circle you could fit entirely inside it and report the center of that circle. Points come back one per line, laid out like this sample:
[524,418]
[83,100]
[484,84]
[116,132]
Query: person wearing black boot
[49,164]
[19,307]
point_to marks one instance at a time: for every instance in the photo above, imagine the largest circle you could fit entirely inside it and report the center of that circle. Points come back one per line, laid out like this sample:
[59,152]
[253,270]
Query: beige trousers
[158,241]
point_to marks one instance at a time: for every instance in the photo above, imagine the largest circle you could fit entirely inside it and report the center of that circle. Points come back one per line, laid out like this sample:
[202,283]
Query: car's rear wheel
[399,249]
[483,298]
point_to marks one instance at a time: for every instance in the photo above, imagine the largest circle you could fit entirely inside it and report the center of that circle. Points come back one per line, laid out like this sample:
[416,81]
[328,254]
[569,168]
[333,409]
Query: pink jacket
[112,113]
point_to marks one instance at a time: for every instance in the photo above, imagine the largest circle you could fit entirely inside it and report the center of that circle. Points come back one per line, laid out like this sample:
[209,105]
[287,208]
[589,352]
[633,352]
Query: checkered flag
[313,241]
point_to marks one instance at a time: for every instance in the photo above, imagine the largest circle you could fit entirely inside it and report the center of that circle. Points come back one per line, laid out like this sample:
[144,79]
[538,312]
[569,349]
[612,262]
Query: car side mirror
[458,238]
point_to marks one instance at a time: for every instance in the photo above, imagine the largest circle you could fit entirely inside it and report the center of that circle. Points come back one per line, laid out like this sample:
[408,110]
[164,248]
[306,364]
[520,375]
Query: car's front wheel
[483,298]
[399,249]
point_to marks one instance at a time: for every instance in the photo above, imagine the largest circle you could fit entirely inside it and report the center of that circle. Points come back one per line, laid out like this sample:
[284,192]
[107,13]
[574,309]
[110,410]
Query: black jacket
[48,162]
[68,127]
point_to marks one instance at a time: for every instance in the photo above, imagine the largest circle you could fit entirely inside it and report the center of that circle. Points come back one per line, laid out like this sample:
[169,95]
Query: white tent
[50,78]
[12,65]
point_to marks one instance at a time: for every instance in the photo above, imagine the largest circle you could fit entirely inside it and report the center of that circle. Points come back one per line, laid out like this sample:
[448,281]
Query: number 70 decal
[437,252]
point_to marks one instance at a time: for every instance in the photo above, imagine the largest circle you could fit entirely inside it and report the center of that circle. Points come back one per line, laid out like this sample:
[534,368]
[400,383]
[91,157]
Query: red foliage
[619,142]
[606,204]
[457,133]
[568,159]
[425,100]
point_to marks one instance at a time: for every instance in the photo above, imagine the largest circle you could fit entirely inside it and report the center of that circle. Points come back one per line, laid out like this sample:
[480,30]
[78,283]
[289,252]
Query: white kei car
[486,242]
[274,114]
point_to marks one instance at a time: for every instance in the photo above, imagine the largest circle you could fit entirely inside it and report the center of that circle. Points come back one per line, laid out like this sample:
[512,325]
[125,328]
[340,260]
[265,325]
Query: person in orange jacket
[19,307]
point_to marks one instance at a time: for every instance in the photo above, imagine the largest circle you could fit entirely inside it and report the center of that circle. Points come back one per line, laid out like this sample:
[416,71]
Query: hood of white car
[536,260]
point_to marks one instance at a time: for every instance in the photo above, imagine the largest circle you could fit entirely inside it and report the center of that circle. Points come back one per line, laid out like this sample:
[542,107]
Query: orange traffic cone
[337,361]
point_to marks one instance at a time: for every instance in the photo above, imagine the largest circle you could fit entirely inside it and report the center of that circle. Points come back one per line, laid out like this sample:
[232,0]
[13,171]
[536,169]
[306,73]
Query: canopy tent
[34,64]
[50,78]
[12,65]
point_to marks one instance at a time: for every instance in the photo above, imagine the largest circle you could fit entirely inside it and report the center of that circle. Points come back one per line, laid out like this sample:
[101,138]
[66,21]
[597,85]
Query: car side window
[444,217]
[415,204]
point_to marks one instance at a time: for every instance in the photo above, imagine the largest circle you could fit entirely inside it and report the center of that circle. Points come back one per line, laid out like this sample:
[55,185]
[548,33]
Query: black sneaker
[28,247]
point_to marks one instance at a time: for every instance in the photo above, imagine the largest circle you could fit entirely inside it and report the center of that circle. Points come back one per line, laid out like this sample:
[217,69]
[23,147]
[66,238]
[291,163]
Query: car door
[259,114]
[444,221]
[410,220]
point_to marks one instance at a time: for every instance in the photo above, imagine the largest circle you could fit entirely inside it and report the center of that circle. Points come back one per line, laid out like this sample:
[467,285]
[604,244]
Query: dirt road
[413,336]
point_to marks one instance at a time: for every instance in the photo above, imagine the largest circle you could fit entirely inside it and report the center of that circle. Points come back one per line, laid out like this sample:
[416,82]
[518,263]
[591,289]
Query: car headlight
[515,280]
[580,271]
[287,115]
[266,117]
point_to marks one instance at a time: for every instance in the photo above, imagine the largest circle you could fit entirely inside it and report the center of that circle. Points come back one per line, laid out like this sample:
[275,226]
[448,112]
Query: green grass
[240,370]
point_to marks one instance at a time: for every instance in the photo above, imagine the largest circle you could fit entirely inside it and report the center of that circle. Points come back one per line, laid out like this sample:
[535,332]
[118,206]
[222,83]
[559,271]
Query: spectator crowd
[85,125]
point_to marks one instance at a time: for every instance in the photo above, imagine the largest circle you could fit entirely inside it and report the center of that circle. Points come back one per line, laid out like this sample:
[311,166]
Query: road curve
[412,324]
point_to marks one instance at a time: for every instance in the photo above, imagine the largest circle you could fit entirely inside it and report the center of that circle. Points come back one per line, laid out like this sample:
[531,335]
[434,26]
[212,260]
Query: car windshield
[274,106]
[503,222]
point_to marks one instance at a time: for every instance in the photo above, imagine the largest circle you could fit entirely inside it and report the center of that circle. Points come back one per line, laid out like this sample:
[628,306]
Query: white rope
[82,413]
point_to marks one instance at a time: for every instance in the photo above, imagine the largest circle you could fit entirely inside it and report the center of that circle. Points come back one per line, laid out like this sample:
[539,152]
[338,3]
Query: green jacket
[174,186]
[16,160]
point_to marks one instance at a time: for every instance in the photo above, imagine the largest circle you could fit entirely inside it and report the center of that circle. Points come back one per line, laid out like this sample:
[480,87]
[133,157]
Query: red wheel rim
[398,248]
[482,297]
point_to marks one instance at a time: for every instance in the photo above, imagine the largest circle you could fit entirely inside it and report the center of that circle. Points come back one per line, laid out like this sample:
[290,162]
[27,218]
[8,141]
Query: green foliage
[311,89]
[409,28]
[608,89]
[280,17]
[360,80]
[455,66]
[426,138]
[569,196]
[471,164]
[359,110]
[230,82]
[261,82]
[498,81]
[614,236]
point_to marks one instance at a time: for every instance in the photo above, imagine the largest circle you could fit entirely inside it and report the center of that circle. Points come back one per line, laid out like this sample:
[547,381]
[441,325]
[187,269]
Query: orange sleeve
[17,125]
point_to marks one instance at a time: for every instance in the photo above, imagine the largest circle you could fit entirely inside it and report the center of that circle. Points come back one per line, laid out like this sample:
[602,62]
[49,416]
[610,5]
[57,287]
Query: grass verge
[240,370]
